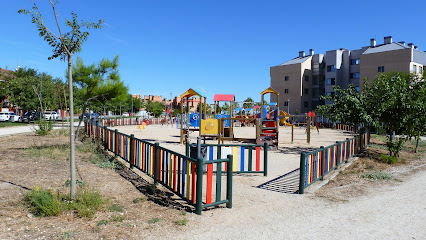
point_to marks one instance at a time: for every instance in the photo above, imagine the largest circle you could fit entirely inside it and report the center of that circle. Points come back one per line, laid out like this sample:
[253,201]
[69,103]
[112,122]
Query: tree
[99,82]
[64,46]
[225,108]
[248,103]
[348,107]
[156,108]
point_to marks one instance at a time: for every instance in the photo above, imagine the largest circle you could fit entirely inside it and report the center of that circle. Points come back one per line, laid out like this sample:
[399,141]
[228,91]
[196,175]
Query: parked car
[91,115]
[31,116]
[51,115]
[9,116]
[126,114]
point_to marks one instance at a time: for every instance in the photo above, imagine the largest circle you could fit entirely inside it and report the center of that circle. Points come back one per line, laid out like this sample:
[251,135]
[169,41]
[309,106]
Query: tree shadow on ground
[162,198]
[287,183]
[295,150]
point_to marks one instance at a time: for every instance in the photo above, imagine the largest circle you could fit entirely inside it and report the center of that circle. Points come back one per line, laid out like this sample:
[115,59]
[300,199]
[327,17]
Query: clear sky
[214,46]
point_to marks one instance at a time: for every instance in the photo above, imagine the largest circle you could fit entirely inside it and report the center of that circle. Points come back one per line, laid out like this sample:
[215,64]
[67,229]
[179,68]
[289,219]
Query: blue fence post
[156,163]
[302,173]
[132,150]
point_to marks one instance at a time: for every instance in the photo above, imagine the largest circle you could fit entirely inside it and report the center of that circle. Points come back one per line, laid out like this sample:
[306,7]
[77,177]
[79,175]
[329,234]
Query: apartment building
[302,80]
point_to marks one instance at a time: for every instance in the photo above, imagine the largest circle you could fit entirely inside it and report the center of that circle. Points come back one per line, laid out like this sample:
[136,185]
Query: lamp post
[288,106]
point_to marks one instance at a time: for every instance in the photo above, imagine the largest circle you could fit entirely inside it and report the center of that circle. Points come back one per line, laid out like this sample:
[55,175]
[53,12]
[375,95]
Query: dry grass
[27,160]
[369,171]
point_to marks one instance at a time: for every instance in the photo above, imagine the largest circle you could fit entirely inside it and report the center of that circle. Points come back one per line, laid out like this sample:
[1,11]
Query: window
[306,78]
[286,104]
[329,93]
[420,70]
[306,91]
[305,104]
[331,81]
[315,80]
[355,61]
[381,69]
[414,68]
[331,68]
[357,89]
[355,75]
[286,90]
[286,78]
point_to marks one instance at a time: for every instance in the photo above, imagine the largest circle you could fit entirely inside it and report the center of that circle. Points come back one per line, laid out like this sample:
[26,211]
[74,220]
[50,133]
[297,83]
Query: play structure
[308,120]
[267,127]
[190,122]
[265,117]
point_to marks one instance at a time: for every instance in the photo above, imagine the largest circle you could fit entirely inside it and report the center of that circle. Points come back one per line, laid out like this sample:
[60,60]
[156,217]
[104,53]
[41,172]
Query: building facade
[302,80]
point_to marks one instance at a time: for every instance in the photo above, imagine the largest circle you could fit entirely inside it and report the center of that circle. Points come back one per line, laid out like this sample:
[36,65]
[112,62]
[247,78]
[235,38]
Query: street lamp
[288,106]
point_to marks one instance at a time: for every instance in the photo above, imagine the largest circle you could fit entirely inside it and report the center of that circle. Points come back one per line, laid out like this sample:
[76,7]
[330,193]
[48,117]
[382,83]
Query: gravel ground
[390,211]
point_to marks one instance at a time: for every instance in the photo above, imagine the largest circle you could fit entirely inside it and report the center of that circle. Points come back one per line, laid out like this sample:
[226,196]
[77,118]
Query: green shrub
[153,220]
[182,222]
[44,127]
[395,146]
[42,202]
[388,159]
[118,218]
[88,202]
[376,175]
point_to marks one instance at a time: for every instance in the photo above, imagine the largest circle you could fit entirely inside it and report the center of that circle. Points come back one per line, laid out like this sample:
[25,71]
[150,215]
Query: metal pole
[229,182]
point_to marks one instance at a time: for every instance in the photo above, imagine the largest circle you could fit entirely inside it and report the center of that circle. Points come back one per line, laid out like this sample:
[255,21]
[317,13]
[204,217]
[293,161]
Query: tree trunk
[72,135]
[417,144]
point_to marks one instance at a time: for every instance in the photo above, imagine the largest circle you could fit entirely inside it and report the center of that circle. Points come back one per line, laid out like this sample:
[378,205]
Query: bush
[44,127]
[395,146]
[42,202]
[388,159]
[376,175]
[88,202]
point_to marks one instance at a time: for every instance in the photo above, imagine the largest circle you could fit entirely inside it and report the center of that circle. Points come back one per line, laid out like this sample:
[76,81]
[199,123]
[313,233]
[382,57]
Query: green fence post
[187,148]
[322,162]
[347,150]
[250,158]
[229,182]
[115,142]
[302,173]
[265,159]
[132,150]
[156,163]
[106,138]
[339,150]
[199,190]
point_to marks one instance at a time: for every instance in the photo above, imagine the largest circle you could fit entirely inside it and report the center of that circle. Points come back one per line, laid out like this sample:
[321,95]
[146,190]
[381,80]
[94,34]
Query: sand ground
[396,211]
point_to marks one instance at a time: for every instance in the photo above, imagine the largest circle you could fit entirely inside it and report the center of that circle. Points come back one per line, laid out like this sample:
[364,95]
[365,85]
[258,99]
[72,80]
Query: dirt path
[392,212]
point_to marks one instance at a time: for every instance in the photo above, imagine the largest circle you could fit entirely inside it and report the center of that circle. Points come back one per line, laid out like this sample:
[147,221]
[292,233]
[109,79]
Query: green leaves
[63,44]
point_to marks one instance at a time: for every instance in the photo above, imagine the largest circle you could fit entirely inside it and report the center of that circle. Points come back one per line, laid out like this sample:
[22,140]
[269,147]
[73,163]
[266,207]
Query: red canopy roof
[256,107]
[224,97]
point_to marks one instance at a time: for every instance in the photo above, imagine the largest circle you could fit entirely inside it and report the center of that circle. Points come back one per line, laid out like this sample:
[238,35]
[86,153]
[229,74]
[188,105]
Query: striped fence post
[115,142]
[302,173]
[106,143]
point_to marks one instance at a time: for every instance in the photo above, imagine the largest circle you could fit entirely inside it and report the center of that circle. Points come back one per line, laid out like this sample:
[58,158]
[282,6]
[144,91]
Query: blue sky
[213,46]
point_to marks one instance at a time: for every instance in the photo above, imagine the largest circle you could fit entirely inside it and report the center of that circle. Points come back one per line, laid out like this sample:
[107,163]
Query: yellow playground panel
[209,127]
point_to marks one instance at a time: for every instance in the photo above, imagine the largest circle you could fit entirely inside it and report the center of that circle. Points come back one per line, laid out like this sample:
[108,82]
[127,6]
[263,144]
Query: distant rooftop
[386,48]
[296,60]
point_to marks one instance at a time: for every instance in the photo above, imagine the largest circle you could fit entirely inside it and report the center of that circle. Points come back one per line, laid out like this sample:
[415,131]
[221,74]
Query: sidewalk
[7,131]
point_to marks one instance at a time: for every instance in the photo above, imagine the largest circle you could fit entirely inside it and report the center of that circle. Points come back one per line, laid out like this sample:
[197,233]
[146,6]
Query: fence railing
[181,174]
[128,121]
[247,158]
[316,164]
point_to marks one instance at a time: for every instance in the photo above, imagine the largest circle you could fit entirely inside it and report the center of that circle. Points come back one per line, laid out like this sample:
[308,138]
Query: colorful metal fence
[179,173]
[247,158]
[316,164]
[126,121]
